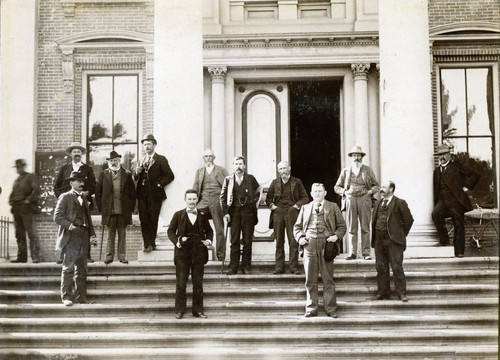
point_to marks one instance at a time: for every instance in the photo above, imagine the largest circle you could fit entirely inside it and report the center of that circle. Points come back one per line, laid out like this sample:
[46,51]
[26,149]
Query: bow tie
[191,212]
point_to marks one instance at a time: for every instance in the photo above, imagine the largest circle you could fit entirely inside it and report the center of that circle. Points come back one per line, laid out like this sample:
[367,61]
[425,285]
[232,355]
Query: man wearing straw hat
[356,184]
[115,197]
[452,181]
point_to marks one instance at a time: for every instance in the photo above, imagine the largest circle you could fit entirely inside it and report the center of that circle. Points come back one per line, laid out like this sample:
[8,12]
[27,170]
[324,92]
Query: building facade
[272,80]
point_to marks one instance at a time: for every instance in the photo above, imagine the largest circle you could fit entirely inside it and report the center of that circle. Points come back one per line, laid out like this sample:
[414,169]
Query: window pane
[477,102]
[100,112]
[453,102]
[129,156]
[456,144]
[97,157]
[125,128]
[481,161]
[481,148]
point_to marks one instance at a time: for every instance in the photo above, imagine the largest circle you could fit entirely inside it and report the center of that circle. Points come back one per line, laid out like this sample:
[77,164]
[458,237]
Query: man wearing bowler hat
[72,214]
[152,175]
[356,184]
[61,185]
[452,181]
[115,197]
[23,199]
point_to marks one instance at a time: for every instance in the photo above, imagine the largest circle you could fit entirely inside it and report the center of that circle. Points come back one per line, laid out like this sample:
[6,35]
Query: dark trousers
[387,252]
[445,209]
[74,267]
[185,264]
[242,221]
[149,212]
[23,222]
[283,220]
[116,224]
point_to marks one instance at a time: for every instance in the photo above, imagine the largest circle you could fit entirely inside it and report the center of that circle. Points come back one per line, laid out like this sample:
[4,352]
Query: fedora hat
[76,175]
[20,163]
[356,149]
[442,149]
[113,155]
[75,145]
[149,137]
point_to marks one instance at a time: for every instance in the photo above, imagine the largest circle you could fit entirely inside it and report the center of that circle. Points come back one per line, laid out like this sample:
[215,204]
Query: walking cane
[102,240]
[227,235]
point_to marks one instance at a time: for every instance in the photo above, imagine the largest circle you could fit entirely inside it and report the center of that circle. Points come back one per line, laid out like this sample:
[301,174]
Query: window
[112,119]
[467,120]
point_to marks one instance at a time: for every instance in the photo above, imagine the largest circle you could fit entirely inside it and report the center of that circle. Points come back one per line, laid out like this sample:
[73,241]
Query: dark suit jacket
[299,194]
[399,220]
[333,218]
[249,183]
[157,176]
[220,174]
[67,209]
[178,228]
[456,177]
[61,185]
[104,195]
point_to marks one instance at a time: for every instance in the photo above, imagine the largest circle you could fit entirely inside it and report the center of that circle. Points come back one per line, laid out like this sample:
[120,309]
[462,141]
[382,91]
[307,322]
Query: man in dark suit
[208,183]
[72,214]
[319,222]
[23,199]
[391,223]
[115,197]
[285,197]
[61,184]
[239,200]
[152,175]
[191,233]
[452,181]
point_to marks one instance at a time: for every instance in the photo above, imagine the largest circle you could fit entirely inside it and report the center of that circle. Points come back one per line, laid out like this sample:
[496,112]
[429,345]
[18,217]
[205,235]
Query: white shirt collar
[388,199]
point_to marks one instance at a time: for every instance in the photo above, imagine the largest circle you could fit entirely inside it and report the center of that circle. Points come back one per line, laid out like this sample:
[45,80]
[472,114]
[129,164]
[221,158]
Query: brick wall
[442,12]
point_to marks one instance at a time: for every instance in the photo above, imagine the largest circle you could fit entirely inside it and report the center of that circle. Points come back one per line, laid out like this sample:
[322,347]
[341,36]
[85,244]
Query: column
[373,121]
[406,143]
[17,91]
[348,121]
[218,76]
[178,93]
[361,125]
[229,110]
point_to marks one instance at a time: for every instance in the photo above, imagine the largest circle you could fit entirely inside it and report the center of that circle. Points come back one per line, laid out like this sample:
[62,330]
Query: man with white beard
[115,197]
[356,184]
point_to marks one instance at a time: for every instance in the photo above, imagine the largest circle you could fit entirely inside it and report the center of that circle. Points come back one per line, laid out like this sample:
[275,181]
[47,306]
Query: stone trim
[360,71]
[218,74]
[70,5]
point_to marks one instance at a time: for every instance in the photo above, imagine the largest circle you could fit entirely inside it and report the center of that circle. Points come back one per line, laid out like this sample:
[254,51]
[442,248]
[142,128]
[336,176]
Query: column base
[422,243]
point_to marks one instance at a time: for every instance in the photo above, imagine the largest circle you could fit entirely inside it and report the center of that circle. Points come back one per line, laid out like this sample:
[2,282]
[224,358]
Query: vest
[286,198]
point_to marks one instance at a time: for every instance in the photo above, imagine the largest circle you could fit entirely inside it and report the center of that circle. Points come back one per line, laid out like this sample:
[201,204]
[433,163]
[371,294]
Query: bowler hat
[113,155]
[75,145]
[442,149]
[149,137]
[356,149]
[20,163]
[331,250]
[76,175]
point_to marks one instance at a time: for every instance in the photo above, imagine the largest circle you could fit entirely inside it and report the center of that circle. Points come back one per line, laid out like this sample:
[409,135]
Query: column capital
[360,71]
[218,73]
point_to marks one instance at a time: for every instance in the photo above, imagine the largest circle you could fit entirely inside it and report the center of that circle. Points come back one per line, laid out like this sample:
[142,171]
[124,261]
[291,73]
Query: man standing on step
[23,199]
[72,214]
[285,197]
[391,223]
[239,200]
[452,181]
[61,184]
[191,234]
[319,222]
[357,184]
[152,175]
[208,183]
[115,197]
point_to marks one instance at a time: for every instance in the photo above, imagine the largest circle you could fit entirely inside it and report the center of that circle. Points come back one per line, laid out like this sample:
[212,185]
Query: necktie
[384,203]
[79,198]
[191,212]
[318,206]
[146,162]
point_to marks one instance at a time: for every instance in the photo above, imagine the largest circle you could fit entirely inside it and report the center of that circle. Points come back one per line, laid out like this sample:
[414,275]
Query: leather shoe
[90,261]
[36,261]
[123,261]
[311,314]
[380,297]
[332,315]
[368,257]
[67,302]
[460,255]
[351,257]
[403,298]
[149,249]
[108,261]
[230,272]
[179,315]
[59,262]
[247,271]
[296,272]
[200,315]
[439,244]
[278,272]
[17,261]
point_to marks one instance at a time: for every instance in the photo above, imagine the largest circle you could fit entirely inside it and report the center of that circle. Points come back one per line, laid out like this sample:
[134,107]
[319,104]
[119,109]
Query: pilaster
[218,76]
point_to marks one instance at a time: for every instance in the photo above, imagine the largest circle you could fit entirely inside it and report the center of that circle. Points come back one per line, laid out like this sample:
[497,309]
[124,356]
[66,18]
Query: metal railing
[4,236]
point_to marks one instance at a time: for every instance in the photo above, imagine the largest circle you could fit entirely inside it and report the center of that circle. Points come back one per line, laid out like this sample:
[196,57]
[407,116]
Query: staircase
[452,313]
